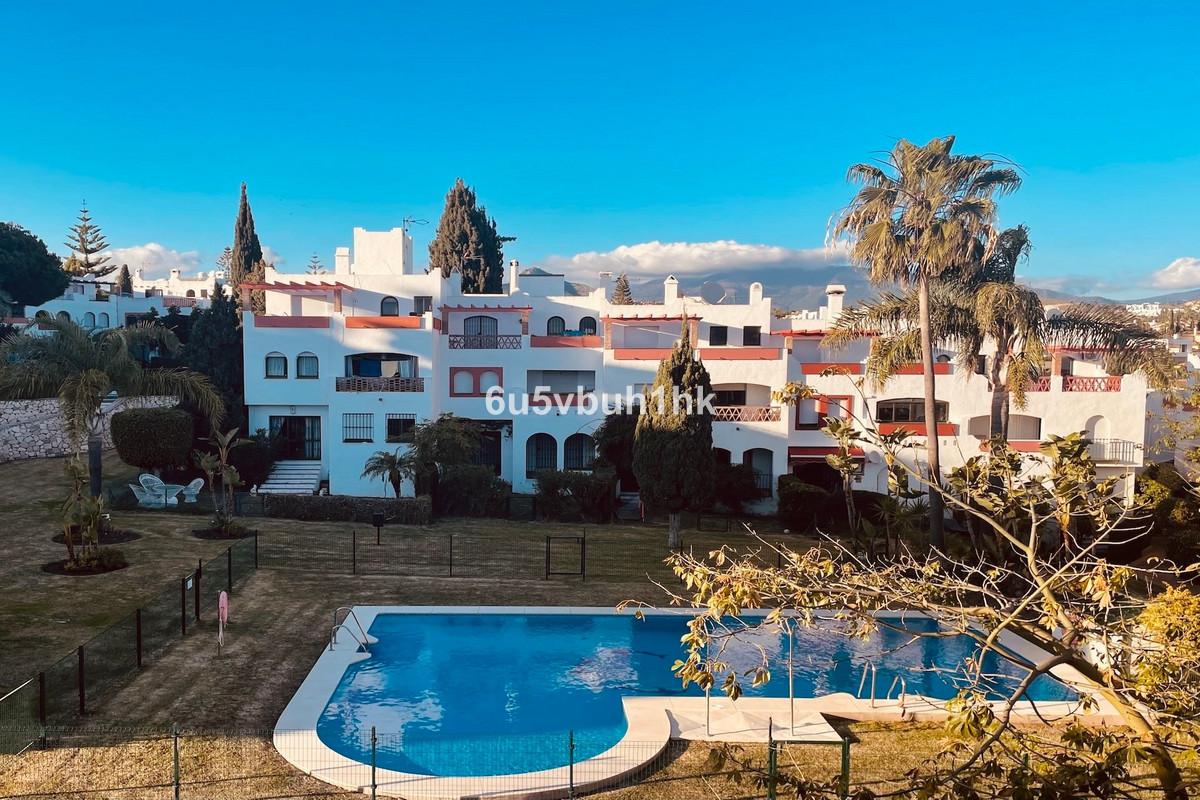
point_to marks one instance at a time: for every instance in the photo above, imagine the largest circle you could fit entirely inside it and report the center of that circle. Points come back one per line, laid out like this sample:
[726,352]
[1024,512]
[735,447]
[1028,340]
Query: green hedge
[344,508]
[569,495]
[153,438]
[471,490]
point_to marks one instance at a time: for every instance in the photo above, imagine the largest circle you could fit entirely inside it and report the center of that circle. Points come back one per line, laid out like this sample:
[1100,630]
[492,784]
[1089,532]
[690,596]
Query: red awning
[486,308]
[293,287]
[819,453]
[648,318]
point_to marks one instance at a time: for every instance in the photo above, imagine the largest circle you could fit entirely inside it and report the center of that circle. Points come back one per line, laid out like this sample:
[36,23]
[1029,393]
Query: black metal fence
[223,765]
[99,667]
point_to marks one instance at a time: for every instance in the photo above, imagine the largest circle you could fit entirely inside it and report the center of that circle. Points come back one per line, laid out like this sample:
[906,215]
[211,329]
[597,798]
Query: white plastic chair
[192,490]
[158,493]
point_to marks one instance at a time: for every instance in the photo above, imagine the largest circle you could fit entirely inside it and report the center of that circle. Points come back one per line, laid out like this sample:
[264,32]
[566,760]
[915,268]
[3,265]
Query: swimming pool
[465,694]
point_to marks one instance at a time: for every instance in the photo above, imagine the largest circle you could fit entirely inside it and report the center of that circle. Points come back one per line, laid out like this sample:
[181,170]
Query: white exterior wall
[108,311]
[380,266]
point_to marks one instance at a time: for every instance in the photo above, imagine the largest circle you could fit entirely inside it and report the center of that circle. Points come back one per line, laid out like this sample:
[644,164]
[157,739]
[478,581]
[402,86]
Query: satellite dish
[712,292]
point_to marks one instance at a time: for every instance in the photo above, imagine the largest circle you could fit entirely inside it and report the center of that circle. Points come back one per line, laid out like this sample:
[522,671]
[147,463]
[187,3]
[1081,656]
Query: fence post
[583,555]
[772,774]
[256,548]
[175,751]
[547,575]
[571,765]
[354,551]
[451,555]
[373,746]
[81,675]
[844,780]
[229,569]
[42,699]
[137,621]
[199,577]
[183,606]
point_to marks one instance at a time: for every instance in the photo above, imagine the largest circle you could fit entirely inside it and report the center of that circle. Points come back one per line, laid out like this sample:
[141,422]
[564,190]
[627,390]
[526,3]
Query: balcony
[1113,451]
[485,342]
[1086,383]
[566,341]
[392,384]
[261,321]
[1041,384]
[746,414]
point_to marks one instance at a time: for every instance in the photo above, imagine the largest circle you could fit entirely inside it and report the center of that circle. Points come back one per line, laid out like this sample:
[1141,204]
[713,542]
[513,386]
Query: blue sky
[589,127]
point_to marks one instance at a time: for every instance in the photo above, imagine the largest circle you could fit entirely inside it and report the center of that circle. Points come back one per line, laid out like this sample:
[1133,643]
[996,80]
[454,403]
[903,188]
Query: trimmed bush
[733,485]
[253,460]
[802,505]
[570,495]
[344,508]
[153,438]
[472,490]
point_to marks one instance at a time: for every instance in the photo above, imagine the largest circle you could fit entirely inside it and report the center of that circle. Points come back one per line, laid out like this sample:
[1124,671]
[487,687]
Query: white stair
[293,477]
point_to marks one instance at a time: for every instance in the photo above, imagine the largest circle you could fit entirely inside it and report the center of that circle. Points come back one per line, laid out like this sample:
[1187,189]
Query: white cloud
[696,258]
[154,258]
[1182,273]
[271,257]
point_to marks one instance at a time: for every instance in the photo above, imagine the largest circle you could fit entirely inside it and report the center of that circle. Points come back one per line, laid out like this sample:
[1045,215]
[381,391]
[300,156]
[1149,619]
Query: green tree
[391,468]
[29,273]
[247,252]
[153,438]
[124,281]
[87,243]
[439,445]
[974,308]
[225,260]
[82,368]
[315,267]
[621,294]
[467,243]
[214,348]
[672,449]
[218,467]
[924,212]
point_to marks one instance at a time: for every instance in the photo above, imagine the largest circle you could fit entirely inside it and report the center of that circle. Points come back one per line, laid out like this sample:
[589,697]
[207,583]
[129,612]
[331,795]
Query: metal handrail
[869,666]
[349,614]
[333,637]
[903,690]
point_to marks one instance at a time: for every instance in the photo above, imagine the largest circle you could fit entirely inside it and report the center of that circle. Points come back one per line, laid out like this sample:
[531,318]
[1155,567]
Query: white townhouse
[345,364]
[96,305]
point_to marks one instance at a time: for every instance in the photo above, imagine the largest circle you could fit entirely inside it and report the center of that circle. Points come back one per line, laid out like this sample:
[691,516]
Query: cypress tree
[672,446]
[87,243]
[621,294]
[124,281]
[467,242]
[247,251]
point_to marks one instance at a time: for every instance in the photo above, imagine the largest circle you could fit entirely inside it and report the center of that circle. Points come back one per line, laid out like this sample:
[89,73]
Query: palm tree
[81,369]
[391,468]
[987,305]
[923,212]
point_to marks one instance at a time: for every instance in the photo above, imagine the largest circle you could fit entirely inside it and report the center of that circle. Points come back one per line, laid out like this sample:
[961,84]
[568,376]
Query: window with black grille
[751,336]
[400,427]
[358,427]
[718,336]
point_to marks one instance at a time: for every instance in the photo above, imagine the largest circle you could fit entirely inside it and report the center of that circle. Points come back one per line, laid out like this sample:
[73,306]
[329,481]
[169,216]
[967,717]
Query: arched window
[759,460]
[943,359]
[587,326]
[276,365]
[541,452]
[89,320]
[579,452]
[462,382]
[190,293]
[104,323]
[722,456]
[555,326]
[43,314]
[481,326]
[489,379]
[308,366]
[64,316]
[389,307]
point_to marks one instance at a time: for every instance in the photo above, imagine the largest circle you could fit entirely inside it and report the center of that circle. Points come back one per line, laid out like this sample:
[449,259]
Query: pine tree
[315,267]
[467,242]
[225,260]
[621,294]
[87,244]
[124,281]
[672,448]
[214,348]
[247,252]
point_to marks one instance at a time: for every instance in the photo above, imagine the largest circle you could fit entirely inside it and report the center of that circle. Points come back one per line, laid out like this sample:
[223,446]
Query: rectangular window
[400,427]
[276,366]
[307,366]
[837,406]
[807,414]
[729,397]
[718,336]
[358,427]
[751,336]
[421,304]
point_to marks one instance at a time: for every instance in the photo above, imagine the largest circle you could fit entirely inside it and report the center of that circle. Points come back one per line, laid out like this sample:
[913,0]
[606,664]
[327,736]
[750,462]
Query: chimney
[341,261]
[670,290]
[835,295]
[514,267]
[755,293]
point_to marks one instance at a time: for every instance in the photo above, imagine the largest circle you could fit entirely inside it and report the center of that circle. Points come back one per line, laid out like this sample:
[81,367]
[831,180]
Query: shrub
[472,490]
[802,505]
[344,508]
[570,495]
[733,485]
[104,559]
[254,460]
[153,438]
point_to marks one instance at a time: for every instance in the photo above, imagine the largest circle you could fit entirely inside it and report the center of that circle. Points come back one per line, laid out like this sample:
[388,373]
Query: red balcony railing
[746,414]
[392,384]
[1041,384]
[1087,383]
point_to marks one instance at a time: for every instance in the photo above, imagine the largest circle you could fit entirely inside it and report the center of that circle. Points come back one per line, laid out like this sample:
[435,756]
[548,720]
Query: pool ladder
[870,669]
[362,642]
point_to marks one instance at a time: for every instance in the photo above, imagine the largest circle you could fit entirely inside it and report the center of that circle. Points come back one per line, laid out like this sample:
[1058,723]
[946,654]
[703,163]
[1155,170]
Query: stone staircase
[629,507]
[293,477]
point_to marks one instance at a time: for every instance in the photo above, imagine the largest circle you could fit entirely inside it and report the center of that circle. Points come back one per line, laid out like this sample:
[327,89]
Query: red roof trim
[293,286]
[649,318]
[486,308]
[790,332]
[821,452]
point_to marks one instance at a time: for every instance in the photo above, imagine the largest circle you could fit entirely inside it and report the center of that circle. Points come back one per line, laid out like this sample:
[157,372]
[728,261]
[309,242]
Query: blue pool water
[489,694]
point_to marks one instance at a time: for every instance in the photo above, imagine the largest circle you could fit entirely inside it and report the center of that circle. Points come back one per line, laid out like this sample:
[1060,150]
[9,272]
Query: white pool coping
[652,721]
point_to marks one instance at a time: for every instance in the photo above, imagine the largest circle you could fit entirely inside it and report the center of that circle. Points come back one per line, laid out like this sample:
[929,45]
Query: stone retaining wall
[34,428]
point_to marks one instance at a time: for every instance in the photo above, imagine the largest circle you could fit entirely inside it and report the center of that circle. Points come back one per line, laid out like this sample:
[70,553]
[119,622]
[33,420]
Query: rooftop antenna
[411,220]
